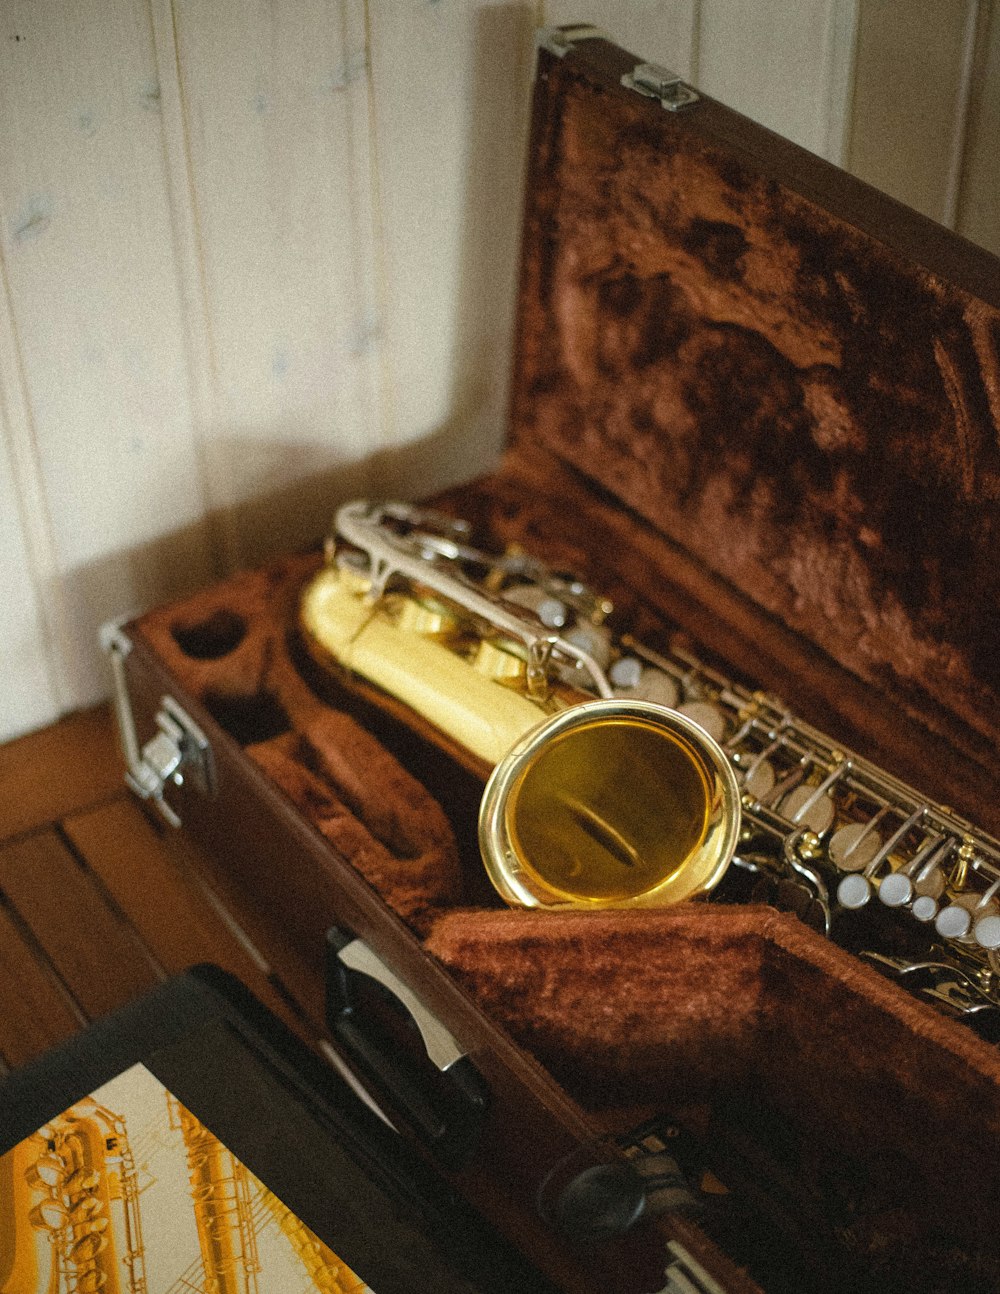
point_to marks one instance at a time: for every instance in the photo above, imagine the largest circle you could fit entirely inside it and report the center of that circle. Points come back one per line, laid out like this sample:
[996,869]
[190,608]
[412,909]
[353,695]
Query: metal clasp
[443,1098]
[560,40]
[656,82]
[177,752]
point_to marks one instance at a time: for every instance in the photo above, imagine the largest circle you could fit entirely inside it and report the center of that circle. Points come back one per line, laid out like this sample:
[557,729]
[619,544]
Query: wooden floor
[98,902]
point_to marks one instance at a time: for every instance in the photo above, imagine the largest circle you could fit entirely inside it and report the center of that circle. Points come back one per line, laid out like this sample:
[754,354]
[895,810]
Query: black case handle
[442,1096]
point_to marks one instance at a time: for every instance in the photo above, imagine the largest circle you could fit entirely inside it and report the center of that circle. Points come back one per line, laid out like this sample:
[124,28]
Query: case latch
[442,1097]
[656,82]
[177,752]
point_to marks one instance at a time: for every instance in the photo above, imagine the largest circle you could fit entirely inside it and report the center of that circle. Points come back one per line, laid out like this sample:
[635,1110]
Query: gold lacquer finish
[608,790]
[610,804]
[594,801]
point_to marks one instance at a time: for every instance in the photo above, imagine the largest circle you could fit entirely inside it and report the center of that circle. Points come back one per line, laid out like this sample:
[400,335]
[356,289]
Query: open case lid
[787,374]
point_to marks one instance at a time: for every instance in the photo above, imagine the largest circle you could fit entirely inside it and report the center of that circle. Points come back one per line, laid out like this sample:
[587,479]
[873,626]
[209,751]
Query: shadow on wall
[293,516]
[495,149]
[299,493]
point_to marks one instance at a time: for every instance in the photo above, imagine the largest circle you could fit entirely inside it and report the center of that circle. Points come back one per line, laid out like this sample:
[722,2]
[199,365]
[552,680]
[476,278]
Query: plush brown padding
[745,416]
[229,645]
[669,1007]
[623,1007]
[811,416]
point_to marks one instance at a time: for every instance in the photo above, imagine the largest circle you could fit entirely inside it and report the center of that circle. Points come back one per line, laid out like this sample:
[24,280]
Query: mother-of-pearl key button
[625,672]
[953,922]
[895,890]
[924,907]
[986,932]
[854,891]
[552,613]
[595,641]
[657,687]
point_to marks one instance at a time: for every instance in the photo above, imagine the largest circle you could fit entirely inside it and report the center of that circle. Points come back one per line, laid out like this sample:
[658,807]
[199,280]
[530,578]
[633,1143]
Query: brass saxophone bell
[611,803]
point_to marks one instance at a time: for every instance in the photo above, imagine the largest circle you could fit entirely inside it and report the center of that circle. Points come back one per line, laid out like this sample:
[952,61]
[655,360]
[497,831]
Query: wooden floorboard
[98,903]
[164,902]
[36,1012]
[98,958]
[58,770]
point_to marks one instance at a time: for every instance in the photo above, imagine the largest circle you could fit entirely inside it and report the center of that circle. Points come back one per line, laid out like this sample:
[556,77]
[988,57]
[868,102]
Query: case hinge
[685,1275]
[177,752]
[657,82]
[560,40]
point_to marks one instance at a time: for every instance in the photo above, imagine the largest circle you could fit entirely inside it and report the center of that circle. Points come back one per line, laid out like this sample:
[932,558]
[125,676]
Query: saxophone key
[809,806]
[759,779]
[986,931]
[924,908]
[625,673]
[903,885]
[854,891]
[896,890]
[657,687]
[956,919]
[705,715]
[629,677]
[953,921]
[856,888]
[986,918]
[852,847]
[594,640]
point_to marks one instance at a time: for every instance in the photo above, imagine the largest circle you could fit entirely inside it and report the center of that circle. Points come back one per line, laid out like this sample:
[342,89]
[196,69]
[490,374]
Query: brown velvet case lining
[663,1007]
[810,420]
[811,416]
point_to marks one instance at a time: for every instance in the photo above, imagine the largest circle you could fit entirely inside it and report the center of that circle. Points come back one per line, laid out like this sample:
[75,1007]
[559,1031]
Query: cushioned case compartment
[771,426]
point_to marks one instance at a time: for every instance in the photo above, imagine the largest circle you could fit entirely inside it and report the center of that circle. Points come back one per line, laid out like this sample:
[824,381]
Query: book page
[126,1192]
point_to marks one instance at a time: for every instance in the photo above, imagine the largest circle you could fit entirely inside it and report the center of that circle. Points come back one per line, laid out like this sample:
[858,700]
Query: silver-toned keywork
[854,850]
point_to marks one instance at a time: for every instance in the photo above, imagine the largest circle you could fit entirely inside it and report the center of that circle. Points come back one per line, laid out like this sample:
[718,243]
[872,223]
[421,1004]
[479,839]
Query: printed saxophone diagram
[80,1215]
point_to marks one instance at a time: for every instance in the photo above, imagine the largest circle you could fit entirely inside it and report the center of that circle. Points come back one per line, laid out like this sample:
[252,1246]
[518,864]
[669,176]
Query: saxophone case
[757,402]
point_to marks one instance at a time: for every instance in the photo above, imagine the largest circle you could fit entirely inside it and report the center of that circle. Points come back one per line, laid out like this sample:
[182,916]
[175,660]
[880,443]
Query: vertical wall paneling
[978,213]
[269,96]
[28,696]
[841,38]
[657,31]
[449,115]
[220,532]
[32,619]
[89,265]
[780,63]
[255,257]
[910,99]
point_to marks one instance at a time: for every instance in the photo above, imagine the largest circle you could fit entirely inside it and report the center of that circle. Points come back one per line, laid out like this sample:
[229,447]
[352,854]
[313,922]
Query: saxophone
[618,776]
[227,1198]
[70,1195]
[220,1195]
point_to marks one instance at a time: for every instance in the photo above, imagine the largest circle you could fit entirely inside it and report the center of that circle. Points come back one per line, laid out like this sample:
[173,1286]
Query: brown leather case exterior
[757,400]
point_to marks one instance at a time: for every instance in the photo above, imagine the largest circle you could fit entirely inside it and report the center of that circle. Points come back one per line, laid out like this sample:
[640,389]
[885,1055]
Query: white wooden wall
[256,257]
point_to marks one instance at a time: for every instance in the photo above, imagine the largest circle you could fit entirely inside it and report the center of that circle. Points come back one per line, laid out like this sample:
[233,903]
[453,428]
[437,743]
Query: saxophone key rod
[628,776]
